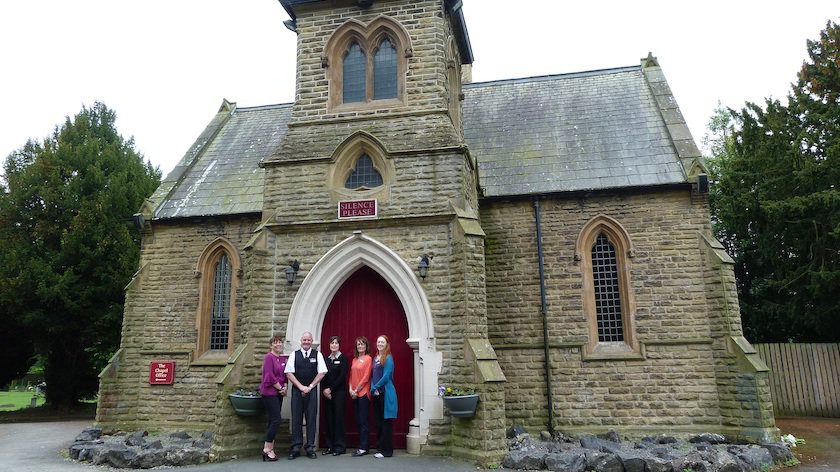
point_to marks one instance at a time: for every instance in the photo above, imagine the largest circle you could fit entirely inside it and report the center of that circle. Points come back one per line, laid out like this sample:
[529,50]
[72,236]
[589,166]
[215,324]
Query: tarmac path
[821,450]
[42,447]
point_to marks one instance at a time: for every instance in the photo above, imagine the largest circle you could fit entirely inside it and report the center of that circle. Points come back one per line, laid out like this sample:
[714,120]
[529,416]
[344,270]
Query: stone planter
[461,406]
[246,405]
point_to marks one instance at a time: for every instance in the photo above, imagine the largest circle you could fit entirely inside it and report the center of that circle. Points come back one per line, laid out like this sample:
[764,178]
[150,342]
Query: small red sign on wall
[162,372]
[357,209]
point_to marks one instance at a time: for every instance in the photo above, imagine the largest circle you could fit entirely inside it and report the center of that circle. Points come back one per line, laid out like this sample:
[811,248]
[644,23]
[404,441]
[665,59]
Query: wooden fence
[804,378]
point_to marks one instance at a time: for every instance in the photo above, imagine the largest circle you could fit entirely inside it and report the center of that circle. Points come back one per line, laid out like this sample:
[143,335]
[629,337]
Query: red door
[366,305]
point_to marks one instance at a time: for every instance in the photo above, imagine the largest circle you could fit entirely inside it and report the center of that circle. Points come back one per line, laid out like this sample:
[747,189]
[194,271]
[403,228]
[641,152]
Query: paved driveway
[41,447]
[821,451]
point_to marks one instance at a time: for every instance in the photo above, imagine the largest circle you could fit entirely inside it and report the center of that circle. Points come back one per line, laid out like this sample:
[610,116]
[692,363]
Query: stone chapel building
[546,240]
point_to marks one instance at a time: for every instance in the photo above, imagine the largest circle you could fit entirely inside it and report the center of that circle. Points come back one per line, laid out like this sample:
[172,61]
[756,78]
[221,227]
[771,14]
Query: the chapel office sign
[162,372]
[357,209]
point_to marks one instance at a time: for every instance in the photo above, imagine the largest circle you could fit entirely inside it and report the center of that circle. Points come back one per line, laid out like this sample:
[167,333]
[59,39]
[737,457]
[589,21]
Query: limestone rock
[566,462]
[528,460]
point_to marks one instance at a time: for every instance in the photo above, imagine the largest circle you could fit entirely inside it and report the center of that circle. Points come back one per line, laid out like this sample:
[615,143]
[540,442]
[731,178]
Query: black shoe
[337,453]
[311,455]
[327,451]
[293,455]
[360,452]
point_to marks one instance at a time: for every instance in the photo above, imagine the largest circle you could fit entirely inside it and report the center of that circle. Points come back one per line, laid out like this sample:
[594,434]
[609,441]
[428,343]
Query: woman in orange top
[359,387]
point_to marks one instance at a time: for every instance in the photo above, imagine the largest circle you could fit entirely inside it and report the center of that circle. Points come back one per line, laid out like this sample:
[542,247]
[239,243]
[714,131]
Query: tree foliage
[69,247]
[776,202]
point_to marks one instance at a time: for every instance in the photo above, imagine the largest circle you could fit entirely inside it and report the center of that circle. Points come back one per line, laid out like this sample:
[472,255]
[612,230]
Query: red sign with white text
[162,373]
[357,209]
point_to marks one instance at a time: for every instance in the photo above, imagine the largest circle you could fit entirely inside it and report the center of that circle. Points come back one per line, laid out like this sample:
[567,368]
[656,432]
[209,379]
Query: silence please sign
[357,209]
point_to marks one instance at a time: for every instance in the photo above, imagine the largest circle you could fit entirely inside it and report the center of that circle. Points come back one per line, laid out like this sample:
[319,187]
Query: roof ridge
[568,75]
[265,107]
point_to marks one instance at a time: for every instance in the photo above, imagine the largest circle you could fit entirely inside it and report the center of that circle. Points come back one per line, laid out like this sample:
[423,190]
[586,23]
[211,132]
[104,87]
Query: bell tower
[378,92]
[376,127]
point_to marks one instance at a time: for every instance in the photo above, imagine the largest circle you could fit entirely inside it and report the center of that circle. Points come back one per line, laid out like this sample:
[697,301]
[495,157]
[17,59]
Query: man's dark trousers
[304,406]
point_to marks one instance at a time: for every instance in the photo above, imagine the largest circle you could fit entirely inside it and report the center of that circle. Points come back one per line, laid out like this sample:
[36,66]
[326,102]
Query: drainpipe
[544,311]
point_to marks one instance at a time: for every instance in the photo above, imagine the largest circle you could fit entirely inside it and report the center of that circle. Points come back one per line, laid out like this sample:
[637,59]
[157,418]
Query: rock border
[706,452]
[138,450]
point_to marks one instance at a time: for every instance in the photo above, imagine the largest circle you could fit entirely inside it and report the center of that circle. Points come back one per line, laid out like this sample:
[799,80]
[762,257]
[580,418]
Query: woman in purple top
[273,389]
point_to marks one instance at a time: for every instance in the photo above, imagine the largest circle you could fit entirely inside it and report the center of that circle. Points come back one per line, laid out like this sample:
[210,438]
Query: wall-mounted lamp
[423,266]
[291,271]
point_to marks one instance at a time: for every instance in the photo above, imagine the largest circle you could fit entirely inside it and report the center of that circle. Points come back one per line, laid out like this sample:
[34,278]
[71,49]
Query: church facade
[544,240]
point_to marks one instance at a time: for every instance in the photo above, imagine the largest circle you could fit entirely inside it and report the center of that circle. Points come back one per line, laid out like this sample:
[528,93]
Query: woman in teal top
[384,397]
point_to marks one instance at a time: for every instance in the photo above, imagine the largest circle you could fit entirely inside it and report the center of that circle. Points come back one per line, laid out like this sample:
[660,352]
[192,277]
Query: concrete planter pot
[246,405]
[462,406]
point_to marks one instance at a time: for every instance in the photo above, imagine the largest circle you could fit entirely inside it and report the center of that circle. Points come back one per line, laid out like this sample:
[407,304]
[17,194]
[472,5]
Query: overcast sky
[164,66]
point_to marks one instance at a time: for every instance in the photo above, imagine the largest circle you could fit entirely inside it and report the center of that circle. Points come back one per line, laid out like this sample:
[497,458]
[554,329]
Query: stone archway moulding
[310,305]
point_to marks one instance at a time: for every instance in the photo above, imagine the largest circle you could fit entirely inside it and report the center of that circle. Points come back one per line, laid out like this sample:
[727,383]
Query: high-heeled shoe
[267,457]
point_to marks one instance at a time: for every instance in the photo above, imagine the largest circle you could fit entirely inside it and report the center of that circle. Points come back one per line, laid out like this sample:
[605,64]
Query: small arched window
[218,272]
[604,250]
[607,291]
[361,169]
[220,311]
[364,175]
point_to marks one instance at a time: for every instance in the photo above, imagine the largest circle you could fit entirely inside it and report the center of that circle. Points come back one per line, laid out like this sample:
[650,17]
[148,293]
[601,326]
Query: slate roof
[220,174]
[596,130]
[586,131]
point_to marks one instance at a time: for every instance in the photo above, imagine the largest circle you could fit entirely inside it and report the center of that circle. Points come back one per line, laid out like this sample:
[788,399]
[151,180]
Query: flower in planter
[450,391]
[246,393]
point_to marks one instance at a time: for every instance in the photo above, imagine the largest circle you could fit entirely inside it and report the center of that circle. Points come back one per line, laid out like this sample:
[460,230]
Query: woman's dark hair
[361,339]
[276,337]
[335,338]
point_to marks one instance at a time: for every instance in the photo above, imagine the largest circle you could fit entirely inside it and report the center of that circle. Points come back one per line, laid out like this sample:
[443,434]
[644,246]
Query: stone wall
[680,331]
[159,323]
[744,384]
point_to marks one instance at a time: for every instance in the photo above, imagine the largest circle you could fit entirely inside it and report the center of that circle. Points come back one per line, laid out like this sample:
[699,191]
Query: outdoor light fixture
[423,266]
[291,271]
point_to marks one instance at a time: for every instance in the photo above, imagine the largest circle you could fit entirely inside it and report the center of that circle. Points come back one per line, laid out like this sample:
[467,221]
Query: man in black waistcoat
[305,370]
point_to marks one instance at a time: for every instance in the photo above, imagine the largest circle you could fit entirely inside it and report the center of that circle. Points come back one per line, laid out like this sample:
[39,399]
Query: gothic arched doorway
[366,305]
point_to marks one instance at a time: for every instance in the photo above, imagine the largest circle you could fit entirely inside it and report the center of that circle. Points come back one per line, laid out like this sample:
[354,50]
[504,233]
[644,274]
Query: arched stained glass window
[385,71]
[364,175]
[607,294]
[220,312]
[354,72]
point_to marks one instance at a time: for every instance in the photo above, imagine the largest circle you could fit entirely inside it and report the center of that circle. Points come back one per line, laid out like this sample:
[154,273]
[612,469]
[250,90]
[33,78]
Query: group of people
[367,380]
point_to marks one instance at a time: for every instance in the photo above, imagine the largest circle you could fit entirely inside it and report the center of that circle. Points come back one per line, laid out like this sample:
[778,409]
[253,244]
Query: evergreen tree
[69,245]
[776,203]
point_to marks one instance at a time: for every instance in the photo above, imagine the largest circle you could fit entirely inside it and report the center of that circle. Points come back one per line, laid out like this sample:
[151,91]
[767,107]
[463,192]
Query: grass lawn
[11,401]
